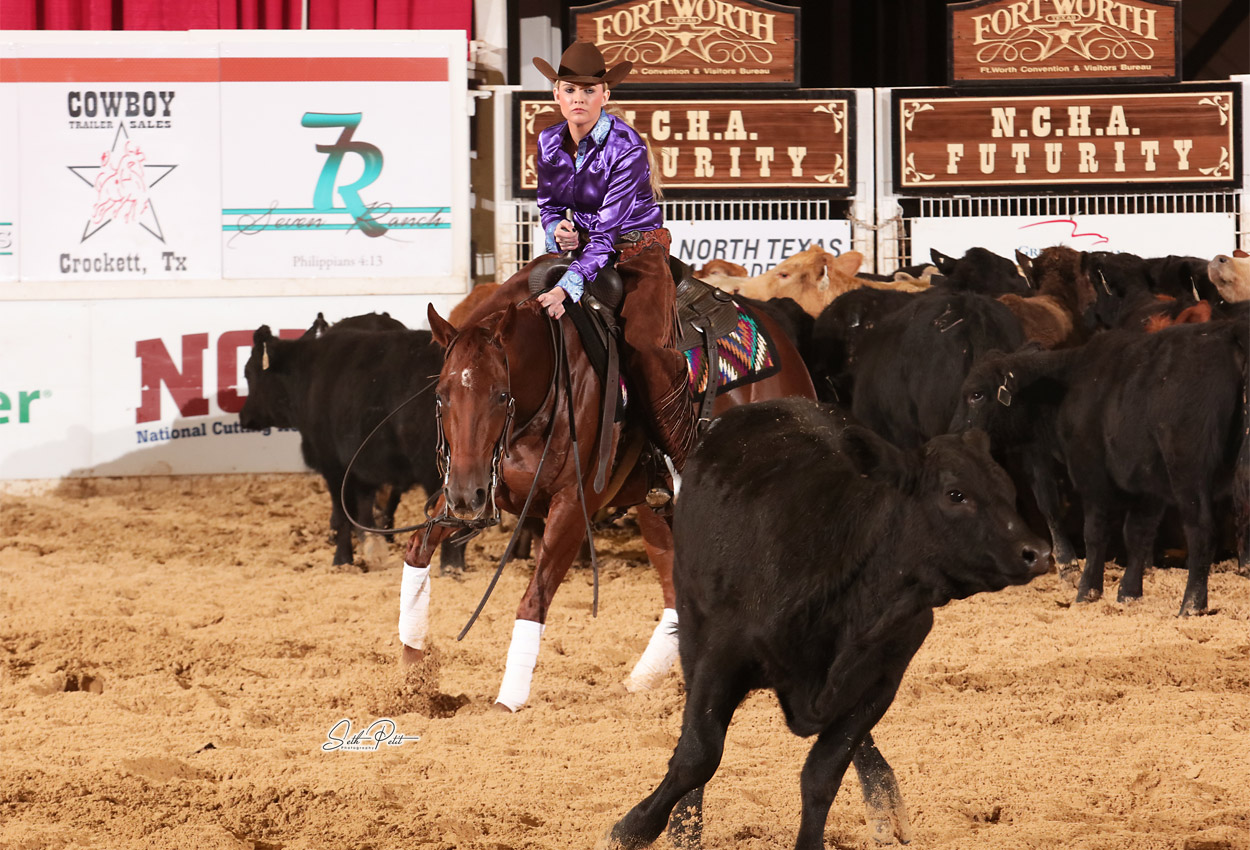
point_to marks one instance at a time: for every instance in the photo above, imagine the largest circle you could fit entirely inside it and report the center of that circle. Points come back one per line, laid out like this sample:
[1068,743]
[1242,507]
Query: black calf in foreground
[813,569]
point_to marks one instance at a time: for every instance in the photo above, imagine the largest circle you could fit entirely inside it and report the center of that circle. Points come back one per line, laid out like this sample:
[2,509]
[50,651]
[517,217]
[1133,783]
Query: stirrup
[660,495]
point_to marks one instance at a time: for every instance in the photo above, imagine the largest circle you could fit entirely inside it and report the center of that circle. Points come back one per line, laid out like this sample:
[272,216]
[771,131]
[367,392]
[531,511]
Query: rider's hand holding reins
[565,236]
[553,301]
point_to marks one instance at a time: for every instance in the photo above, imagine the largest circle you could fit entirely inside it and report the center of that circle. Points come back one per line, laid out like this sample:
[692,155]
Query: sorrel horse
[499,403]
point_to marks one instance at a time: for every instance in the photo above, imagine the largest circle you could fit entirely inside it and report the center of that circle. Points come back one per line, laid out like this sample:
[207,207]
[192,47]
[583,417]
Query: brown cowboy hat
[583,63]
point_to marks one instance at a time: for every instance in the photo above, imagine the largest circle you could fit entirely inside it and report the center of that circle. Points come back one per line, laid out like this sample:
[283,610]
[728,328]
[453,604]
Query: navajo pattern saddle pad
[746,356]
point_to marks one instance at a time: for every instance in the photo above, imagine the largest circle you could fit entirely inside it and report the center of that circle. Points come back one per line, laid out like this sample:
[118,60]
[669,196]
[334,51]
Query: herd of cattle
[1110,386]
[968,411]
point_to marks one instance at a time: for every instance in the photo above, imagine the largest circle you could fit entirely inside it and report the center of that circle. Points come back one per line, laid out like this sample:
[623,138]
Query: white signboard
[45,389]
[1153,235]
[336,159]
[119,153]
[151,386]
[8,164]
[755,245]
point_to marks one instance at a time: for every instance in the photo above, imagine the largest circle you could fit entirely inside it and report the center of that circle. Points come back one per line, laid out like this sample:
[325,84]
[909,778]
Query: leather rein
[561,379]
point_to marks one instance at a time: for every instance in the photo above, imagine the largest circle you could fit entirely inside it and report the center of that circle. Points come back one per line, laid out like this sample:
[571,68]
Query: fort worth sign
[1186,135]
[695,42]
[1023,42]
[801,144]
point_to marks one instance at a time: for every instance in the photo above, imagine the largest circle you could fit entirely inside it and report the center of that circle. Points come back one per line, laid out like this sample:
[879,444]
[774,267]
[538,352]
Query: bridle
[501,450]
[443,460]
[560,379]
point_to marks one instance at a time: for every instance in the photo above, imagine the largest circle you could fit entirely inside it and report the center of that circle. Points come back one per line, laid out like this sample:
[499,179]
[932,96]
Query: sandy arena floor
[174,652]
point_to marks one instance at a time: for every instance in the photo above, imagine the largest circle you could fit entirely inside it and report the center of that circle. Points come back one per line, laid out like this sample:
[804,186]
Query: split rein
[468,529]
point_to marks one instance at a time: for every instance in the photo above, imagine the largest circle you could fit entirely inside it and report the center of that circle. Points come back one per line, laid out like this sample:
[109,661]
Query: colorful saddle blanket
[746,355]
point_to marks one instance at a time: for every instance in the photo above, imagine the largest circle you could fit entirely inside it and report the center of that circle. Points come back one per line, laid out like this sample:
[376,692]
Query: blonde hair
[657,182]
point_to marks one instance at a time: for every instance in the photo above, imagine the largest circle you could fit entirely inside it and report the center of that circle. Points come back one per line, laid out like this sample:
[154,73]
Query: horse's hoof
[410,657]
[500,708]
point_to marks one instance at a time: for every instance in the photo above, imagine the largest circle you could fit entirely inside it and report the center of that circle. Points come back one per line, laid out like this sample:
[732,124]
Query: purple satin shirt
[609,194]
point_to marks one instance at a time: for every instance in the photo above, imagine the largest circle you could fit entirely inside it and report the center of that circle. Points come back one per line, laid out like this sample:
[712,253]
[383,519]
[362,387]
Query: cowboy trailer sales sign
[119,149]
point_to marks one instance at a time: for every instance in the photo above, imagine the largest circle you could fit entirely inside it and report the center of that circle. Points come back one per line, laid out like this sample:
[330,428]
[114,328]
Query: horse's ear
[444,331]
[505,326]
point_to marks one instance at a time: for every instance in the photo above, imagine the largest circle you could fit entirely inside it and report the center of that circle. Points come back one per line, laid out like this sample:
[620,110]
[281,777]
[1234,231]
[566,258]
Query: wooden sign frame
[1061,42]
[1116,117]
[832,165]
[695,43]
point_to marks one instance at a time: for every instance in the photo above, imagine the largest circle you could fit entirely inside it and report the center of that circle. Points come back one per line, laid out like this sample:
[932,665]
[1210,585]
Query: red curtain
[391,14]
[234,14]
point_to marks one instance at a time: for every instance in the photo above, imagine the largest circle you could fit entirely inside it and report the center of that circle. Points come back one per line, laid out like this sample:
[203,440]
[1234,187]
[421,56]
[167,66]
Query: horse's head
[475,405]
[493,372]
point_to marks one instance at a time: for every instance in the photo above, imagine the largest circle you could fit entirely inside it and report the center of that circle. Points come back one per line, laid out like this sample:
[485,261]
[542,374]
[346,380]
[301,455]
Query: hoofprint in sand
[175,654]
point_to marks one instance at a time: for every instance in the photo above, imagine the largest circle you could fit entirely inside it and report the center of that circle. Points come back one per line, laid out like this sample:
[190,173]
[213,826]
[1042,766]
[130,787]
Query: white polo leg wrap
[522,656]
[659,656]
[414,606]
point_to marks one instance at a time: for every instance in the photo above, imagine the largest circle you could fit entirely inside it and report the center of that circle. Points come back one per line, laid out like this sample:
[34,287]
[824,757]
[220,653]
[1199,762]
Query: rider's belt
[636,241]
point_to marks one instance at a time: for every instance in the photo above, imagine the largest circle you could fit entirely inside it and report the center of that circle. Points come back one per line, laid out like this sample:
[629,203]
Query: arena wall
[162,195]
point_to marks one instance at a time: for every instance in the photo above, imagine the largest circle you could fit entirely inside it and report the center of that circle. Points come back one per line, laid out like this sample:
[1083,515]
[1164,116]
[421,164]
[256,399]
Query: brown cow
[1195,315]
[1231,276]
[813,278]
[721,267]
[1052,317]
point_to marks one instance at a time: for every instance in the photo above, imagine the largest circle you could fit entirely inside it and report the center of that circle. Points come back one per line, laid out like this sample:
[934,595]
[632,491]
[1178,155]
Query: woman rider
[597,166]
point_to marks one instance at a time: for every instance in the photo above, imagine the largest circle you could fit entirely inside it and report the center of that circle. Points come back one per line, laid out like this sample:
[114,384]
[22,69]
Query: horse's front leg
[657,660]
[561,539]
[414,592]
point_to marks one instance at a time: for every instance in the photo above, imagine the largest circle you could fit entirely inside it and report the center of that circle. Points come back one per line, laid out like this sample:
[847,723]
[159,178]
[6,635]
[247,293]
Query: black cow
[1141,421]
[1181,277]
[978,270]
[836,332]
[812,569]
[364,322]
[1130,290]
[335,389]
[905,373]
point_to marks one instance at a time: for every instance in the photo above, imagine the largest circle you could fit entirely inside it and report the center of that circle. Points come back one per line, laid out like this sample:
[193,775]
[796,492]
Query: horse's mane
[487,326]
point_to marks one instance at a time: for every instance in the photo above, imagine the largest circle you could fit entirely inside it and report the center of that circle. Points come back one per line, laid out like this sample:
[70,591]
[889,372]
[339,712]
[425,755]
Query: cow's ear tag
[1004,394]
[264,355]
